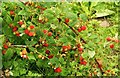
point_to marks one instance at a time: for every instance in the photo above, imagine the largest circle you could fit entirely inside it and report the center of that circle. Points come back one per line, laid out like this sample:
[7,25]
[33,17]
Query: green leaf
[30,43]
[91,44]
[63,39]
[7,64]
[15,63]
[49,11]
[8,19]
[91,54]
[61,60]
[22,12]
[9,54]
[104,13]
[22,71]
[83,17]
[16,18]
[39,63]
[54,60]
[31,48]
[42,63]
[21,30]
[15,73]
[53,26]
[93,4]
[50,40]
[1,19]
[85,8]
[73,63]
[85,54]
[1,40]
[20,4]
[31,56]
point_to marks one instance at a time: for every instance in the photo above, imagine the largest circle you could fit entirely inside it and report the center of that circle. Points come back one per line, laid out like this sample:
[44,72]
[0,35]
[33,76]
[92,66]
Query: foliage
[59,38]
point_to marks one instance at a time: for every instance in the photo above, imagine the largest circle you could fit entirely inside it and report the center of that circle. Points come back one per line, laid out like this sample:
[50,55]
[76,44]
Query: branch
[99,67]
[19,46]
[75,33]
[71,29]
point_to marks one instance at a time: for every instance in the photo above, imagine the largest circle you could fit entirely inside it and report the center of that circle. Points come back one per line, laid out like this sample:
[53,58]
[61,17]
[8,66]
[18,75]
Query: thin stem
[20,46]
[100,67]
[75,33]
[71,29]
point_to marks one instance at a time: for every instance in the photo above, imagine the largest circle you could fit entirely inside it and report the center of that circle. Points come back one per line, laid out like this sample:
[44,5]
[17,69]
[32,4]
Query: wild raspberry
[58,70]
[83,27]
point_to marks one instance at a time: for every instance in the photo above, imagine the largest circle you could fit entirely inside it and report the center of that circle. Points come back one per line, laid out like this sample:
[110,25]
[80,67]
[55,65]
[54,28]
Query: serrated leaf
[104,13]
[53,26]
[61,60]
[39,63]
[8,19]
[21,30]
[91,54]
[30,43]
[85,54]
[63,39]
[54,60]
[31,48]
[22,12]
[9,54]
[16,18]
[20,4]
[83,17]
[31,57]
[73,63]
[15,73]
[22,71]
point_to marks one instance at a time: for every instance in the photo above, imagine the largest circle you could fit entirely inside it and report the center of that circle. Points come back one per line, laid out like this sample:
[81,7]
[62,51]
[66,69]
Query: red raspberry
[80,49]
[20,22]
[15,29]
[66,20]
[83,62]
[58,70]
[47,52]
[32,27]
[11,25]
[81,58]
[5,46]
[68,47]
[17,34]
[12,12]
[45,31]
[108,70]
[112,46]
[108,39]
[49,33]
[117,41]
[26,31]
[50,56]
[43,9]
[78,45]
[39,7]
[45,45]
[3,52]
[40,21]
[31,33]
[79,29]
[83,27]
[64,48]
